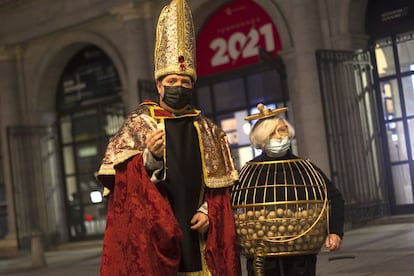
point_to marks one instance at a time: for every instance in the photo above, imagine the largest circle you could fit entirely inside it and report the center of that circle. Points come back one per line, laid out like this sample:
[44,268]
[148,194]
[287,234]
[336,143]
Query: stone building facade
[48,164]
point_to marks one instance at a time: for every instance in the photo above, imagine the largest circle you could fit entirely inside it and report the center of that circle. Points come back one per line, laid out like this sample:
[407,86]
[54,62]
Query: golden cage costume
[281,207]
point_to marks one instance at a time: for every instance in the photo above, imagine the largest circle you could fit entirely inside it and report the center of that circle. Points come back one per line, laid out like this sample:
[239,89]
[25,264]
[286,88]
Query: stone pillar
[13,103]
[37,250]
[9,115]
[305,97]
[137,47]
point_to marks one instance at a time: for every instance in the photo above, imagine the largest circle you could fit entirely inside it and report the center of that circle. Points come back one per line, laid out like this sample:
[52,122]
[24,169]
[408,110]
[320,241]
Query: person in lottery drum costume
[167,173]
[280,203]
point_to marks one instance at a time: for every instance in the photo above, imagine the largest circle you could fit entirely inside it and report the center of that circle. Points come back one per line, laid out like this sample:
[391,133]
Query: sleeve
[203,208]
[154,167]
[337,209]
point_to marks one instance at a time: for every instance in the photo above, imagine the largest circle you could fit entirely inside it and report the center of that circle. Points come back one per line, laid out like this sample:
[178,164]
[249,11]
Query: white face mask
[277,147]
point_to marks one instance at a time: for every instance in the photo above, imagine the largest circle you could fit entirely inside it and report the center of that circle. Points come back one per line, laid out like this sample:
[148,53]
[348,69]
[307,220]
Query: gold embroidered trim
[220,182]
[200,143]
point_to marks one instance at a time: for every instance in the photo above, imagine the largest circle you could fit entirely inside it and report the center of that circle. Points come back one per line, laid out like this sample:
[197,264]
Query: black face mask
[177,97]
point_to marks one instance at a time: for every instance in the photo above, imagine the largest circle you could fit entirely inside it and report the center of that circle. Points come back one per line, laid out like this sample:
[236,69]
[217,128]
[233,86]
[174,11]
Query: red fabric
[142,236]
[222,255]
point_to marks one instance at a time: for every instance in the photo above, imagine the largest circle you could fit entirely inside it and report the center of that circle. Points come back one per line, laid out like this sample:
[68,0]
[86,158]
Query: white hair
[264,128]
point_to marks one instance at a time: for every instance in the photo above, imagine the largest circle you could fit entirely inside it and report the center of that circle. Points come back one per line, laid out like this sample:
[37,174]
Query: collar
[158,112]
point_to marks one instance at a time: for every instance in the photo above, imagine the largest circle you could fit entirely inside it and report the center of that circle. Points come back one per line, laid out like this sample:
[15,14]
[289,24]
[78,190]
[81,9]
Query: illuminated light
[96,196]
[394,137]
[382,65]
[87,151]
[229,124]
[89,218]
[412,76]
[247,128]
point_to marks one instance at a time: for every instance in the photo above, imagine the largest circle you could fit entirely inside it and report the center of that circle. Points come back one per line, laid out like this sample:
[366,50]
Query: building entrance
[90,112]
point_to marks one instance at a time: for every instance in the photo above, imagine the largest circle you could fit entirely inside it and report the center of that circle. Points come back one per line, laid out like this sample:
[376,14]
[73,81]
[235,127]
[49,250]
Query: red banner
[232,37]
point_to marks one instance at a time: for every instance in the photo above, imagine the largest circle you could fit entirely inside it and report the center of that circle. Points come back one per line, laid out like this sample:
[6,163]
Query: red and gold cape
[142,236]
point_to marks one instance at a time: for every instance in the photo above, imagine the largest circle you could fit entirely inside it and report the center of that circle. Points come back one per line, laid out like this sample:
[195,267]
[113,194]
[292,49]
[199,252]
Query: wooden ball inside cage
[280,208]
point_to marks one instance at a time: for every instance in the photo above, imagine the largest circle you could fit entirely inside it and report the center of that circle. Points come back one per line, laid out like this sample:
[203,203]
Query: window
[230,99]
[396,85]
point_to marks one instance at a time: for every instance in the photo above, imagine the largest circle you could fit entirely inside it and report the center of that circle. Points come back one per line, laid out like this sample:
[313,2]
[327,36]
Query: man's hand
[333,242]
[155,143]
[200,222]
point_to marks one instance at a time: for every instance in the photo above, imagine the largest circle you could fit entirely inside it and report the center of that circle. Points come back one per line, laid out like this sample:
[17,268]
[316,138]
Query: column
[9,115]
[305,95]
[138,51]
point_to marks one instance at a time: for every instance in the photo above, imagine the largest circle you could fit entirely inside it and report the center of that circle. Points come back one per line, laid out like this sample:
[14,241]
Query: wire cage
[280,208]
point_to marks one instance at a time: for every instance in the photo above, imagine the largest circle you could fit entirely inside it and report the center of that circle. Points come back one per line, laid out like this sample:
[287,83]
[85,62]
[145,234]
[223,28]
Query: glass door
[395,66]
[84,136]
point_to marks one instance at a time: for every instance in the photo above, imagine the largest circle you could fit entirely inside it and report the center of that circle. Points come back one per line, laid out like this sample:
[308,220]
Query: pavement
[380,250]
[72,259]
[383,248]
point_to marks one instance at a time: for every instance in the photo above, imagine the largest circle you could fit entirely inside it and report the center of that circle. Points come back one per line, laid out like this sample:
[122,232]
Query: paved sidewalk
[380,250]
[376,250]
[74,259]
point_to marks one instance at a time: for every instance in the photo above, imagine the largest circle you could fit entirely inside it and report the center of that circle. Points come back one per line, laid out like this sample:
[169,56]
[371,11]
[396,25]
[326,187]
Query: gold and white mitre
[175,41]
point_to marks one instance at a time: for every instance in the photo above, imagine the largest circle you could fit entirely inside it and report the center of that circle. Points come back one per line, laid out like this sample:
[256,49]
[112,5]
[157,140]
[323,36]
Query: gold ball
[282,229]
[260,233]
[271,215]
[280,212]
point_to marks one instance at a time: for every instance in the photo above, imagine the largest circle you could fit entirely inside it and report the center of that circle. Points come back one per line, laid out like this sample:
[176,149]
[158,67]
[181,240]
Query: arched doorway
[90,111]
